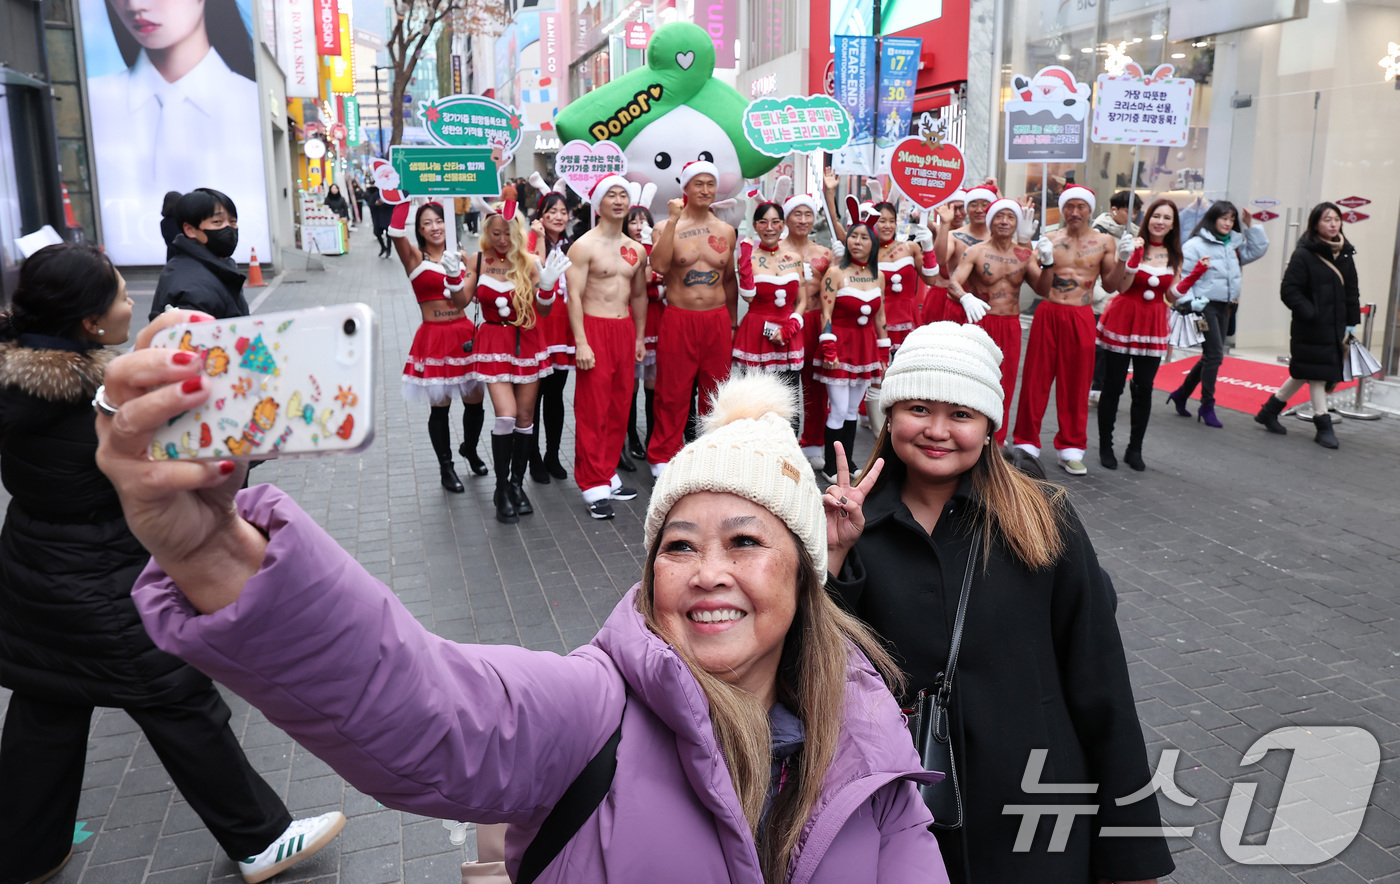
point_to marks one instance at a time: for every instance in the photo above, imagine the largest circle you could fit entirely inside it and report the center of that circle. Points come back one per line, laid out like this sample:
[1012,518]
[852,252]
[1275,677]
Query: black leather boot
[1268,416]
[500,460]
[829,453]
[1325,437]
[634,445]
[441,438]
[1139,413]
[649,399]
[538,473]
[848,439]
[519,459]
[473,415]
[625,462]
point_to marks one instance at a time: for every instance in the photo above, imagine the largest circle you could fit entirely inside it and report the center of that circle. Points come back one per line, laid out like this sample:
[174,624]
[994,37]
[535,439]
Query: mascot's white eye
[706,157]
[662,160]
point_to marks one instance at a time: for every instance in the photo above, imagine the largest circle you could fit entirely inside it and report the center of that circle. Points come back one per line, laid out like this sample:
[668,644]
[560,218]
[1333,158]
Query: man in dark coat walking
[200,273]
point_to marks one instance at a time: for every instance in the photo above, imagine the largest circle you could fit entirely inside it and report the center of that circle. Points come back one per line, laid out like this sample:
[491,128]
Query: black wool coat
[69,631]
[193,279]
[1041,667]
[1324,302]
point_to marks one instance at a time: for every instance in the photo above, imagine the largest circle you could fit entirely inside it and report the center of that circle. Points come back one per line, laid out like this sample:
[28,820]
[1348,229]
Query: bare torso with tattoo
[995,272]
[607,266]
[959,241]
[1079,260]
[819,259]
[702,256]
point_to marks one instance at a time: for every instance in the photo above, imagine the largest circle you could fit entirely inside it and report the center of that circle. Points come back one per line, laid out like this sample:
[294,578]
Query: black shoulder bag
[583,796]
[929,722]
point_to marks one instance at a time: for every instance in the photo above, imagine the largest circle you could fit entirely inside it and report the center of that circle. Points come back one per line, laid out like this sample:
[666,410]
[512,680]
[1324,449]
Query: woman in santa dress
[546,236]
[437,370]
[769,337]
[854,346]
[1133,329]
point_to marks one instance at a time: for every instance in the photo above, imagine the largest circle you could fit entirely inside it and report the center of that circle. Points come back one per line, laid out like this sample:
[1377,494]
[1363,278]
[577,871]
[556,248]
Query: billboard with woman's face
[174,106]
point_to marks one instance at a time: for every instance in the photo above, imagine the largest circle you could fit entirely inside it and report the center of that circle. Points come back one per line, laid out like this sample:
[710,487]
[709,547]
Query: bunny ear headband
[859,212]
[507,209]
[537,181]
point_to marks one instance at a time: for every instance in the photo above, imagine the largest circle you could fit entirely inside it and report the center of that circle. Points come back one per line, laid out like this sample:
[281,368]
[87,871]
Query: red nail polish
[192,385]
[183,357]
[226,467]
[201,317]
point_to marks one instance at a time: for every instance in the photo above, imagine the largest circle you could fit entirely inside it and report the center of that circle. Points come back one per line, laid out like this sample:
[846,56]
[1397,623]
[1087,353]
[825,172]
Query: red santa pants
[1005,331]
[1060,352]
[602,401]
[814,399]
[691,346]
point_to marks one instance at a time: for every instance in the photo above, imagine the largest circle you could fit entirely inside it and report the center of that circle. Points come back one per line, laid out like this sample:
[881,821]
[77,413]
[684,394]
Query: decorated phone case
[295,383]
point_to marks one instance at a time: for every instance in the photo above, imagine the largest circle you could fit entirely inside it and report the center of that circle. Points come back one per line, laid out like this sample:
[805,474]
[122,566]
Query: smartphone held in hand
[295,383]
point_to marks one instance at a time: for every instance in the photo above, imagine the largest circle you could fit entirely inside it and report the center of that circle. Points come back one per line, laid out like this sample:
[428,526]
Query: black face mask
[222,241]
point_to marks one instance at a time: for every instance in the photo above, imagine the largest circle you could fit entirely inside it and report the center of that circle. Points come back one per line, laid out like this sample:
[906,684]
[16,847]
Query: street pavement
[1255,573]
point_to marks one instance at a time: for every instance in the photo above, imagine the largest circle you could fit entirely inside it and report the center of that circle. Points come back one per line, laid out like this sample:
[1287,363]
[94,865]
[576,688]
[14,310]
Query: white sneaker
[301,840]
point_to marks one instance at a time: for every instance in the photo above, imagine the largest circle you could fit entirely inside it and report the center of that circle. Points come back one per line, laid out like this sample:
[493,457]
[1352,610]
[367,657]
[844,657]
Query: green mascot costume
[669,113]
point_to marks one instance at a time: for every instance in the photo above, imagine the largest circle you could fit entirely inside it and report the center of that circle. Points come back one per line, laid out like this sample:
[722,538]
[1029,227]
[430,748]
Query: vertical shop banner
[456,74]
[720,19]
[206,133]
[553,64]
[268,10]
[341,66]
[1134,108]
[352,120]
[297,54]
[855,91]
[899,69]
[327,27]
[1047,118]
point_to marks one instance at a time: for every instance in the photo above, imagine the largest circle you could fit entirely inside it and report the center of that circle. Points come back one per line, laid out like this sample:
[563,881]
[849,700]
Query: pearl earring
[101,332]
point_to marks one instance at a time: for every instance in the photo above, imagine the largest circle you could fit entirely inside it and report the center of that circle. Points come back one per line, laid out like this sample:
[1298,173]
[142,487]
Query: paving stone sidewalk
[1256,577]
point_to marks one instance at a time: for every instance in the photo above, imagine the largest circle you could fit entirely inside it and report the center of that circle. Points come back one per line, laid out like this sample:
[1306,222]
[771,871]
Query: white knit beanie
[747,448]
[947,362]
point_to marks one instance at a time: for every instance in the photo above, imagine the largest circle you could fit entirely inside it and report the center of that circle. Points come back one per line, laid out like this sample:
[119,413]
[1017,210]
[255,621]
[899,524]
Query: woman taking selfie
[70,636]
[1041,671]
[753,735]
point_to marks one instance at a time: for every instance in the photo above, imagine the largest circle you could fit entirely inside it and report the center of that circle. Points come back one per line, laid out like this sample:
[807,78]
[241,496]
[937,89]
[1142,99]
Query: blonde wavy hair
[522,265]
[811,683]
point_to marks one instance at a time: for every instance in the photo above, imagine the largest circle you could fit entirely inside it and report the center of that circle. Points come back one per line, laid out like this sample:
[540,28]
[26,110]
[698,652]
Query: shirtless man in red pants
[609,275]
[694,251]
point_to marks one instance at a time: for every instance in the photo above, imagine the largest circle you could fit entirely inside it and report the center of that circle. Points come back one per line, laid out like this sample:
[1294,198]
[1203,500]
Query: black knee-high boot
[1140,411]
[519,459]
[441,437]
[1108,417]
[634,439]
[552,416]
[501,445]
[848,438]
[829,451]
[537,471]
[473,416]
[649,406]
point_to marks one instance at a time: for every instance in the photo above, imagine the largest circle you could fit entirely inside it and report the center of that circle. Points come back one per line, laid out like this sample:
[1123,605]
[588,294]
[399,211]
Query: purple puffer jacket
[495,733]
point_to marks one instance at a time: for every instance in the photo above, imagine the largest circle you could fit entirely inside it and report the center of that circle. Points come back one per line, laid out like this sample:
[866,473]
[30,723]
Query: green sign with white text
[802,123]
[445,171]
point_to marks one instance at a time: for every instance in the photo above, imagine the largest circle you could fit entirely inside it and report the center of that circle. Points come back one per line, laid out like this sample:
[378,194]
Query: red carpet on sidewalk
[1242,385]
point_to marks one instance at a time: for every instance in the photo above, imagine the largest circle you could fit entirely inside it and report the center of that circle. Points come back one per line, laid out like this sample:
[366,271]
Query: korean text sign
[445,171]
[1137,110]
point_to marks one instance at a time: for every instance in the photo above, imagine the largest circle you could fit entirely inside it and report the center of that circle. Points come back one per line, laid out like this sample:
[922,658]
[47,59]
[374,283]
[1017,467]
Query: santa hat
[698,167]
[801,199]
[601,188]
[986,192]
[957,196]
[1076,192]
[1004,203]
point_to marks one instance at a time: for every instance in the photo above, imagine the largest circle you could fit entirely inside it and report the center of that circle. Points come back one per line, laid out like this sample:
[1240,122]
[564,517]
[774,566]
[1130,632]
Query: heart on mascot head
[583,165]
[928,175]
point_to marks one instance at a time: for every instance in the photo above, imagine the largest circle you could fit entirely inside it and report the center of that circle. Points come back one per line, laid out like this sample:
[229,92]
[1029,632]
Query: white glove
[1044,252]
[451,263]
[973,306]
[646,233]
[806,271]
[554,267]
[1125,246]
[838,249]
[923,237]
[1025,226]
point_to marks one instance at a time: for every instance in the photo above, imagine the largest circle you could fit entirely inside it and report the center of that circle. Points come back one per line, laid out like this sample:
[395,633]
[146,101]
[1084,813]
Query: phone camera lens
[349,326]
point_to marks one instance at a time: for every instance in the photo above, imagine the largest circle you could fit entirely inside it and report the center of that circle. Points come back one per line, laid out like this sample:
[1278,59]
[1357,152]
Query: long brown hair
[1172,240]
[811,683]
[1026,515]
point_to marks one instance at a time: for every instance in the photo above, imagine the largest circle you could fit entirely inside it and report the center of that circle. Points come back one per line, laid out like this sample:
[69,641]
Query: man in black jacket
[200,273]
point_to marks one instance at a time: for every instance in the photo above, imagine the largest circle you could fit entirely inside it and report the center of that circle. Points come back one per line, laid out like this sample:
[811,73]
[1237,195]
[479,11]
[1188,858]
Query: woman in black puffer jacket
[70,637]
[1320,288]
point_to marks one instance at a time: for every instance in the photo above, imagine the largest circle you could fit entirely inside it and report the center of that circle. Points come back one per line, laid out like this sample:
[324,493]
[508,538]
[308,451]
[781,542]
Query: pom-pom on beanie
[947,362]
[747,448]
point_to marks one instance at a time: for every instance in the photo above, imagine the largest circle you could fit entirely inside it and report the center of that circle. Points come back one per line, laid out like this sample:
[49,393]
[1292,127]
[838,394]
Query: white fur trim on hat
[947,362]
[698,167]
[747,448]
[1076,192]
[982,193]
[1004,203]
[957,196]
[801,199]
[600,190]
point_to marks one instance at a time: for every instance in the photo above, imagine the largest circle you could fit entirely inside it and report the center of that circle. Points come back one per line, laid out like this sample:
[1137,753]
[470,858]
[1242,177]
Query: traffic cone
[255,279]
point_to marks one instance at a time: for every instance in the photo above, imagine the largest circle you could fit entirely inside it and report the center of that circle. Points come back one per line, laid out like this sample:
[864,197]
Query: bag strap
[945,682]
[582,797]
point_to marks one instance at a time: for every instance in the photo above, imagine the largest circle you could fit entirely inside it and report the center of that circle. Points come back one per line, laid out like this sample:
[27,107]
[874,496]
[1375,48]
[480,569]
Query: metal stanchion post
[1359,411]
